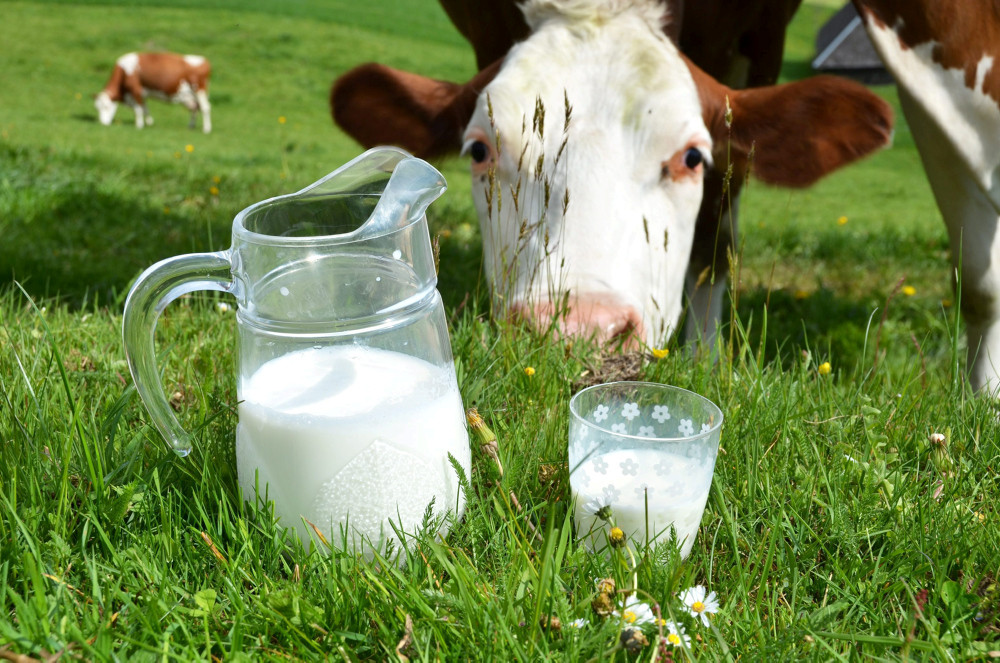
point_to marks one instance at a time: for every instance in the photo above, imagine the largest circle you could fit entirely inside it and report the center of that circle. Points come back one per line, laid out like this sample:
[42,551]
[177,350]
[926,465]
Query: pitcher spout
[412,187]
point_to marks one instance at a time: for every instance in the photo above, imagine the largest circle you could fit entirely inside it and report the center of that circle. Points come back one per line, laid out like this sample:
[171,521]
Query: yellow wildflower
[824,368]
[801,294]
[214,190]
[660,353]
[529,371]
[281,119]
[909,290]
[842,221]
[189,148]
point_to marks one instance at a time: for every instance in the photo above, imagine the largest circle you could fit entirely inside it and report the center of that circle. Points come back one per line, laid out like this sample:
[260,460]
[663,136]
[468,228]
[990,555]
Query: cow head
[587,149]
[106,108]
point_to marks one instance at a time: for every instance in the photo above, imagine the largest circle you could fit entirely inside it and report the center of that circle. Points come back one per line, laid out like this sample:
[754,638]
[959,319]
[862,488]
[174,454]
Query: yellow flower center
[629,616]
[673,638]
[698,606]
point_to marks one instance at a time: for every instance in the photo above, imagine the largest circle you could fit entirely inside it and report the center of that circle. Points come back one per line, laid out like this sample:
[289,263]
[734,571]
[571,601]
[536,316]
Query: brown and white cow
[943,55]
[588,143]
[180,79]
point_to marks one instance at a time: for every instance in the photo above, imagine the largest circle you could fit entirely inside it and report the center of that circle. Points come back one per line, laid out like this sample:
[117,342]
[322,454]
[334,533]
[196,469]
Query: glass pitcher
[349,407]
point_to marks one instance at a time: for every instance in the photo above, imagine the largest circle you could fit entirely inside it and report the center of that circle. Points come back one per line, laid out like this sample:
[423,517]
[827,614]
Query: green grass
[830,511]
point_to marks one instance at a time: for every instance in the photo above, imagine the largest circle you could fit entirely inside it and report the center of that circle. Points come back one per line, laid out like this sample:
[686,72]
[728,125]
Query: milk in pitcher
[341,436]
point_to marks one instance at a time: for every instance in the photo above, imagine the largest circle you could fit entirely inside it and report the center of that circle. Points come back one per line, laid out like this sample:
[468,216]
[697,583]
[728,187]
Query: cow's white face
[602,207]
[105,108]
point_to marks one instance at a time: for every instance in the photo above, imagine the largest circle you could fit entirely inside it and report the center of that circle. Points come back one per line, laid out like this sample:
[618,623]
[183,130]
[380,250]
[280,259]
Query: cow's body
[181,79]
[644,119]
[943,55]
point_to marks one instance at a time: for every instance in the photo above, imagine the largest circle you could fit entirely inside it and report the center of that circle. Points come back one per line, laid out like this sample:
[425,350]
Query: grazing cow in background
[180,79]
[943,55]
[588,144]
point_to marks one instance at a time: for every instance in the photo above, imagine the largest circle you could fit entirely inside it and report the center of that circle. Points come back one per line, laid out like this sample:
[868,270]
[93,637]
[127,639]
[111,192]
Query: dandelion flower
[216,179]
[700,605]
[660,353]
[635,612]
[824,368]
[281,119]
[529,370]
[676,635]
[842,221]
[214,190]
[189,148]
[617,537]
[909,290]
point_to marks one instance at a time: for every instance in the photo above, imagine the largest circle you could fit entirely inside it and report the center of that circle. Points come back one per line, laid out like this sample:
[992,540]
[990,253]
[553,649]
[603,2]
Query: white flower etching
[630,411]
[601,413]
[662,468]
[705,428]
[686,427]
[629,466]
[611,494]
[661,413]
[644,492]
[600,465]
[646,431]
[618,428]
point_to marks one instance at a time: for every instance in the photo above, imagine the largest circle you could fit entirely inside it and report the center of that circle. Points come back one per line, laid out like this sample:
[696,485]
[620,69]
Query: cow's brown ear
[378,105]
[799,131]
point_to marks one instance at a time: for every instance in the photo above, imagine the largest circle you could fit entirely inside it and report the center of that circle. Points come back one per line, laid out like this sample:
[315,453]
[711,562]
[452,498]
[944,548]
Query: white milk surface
[676,486]
[351,436]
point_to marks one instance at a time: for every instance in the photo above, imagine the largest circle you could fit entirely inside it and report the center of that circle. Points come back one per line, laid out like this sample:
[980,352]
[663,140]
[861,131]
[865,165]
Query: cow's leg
[970,205]
[708,272]
[206,111]
[136,99]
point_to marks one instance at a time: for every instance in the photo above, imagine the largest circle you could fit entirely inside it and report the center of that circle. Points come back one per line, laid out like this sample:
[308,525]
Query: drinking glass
[641,457]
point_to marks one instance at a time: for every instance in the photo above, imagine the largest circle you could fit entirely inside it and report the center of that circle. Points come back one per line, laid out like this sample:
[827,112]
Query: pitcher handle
[152,292]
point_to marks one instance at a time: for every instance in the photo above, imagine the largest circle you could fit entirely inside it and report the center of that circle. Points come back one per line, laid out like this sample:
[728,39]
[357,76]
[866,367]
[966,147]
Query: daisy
[701,606]
[578,623]
[600,506]
[635,612]
[676,636]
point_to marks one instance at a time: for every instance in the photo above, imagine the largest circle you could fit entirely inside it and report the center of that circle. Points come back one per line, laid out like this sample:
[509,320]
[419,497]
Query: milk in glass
[349,437]
[669,489]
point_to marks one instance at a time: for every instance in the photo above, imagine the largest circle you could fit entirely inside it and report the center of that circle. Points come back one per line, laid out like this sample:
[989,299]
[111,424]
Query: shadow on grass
[81,235]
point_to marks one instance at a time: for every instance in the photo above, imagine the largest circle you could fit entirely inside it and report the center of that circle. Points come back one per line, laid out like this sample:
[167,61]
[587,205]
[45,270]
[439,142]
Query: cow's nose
[602,317]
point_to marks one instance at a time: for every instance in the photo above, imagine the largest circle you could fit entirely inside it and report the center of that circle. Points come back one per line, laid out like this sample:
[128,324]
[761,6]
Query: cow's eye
[693,158]
[479,151]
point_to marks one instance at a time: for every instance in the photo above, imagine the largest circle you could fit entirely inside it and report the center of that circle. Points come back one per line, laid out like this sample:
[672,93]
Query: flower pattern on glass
[646,431]
[611,494]
[643,492]
[661,413]
[662,468]
[685,427]
[618,428]
[600,465]
[601,413]
[629,466]
[630,411]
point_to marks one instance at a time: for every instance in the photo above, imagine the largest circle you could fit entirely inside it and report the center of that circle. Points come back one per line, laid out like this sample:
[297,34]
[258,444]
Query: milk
[352,437]
[675,487]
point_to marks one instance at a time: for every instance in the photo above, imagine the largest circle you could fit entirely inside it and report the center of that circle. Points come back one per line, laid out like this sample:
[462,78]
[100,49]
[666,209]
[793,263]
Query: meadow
[836,528]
